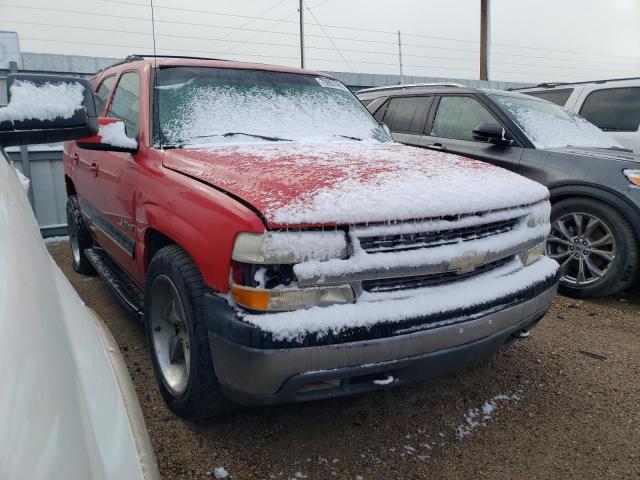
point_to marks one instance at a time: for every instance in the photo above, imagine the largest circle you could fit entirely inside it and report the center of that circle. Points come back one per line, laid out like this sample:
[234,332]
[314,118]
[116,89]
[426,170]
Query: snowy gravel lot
[563,403]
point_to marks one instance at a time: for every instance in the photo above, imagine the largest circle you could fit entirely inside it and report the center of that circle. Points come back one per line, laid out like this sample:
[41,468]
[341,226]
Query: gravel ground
[562,403]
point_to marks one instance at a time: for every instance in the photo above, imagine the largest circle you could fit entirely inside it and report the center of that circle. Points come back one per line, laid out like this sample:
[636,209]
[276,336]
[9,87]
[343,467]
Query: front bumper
[253,372]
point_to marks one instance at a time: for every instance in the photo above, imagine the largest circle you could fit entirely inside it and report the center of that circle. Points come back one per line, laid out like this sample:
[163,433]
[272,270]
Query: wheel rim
[584,247]
[73,239]
[170,334]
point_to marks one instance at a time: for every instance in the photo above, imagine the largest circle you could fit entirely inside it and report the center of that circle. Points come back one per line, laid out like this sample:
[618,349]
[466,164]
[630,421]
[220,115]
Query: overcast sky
[531,40]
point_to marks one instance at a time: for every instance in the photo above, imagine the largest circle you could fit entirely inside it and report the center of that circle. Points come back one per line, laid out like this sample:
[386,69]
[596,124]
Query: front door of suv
[116,178]
[450,126]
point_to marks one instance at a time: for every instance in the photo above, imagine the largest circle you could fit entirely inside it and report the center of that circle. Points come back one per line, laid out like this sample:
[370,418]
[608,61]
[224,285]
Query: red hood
[351,182]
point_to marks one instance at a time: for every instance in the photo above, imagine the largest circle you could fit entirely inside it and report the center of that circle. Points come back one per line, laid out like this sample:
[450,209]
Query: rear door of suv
[406,117]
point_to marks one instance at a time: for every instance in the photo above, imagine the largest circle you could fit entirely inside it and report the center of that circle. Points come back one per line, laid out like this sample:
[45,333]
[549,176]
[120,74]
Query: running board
[127,292]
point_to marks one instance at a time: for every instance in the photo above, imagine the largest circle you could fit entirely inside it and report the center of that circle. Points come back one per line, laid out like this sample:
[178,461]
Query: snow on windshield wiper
[255,135]
[349,137]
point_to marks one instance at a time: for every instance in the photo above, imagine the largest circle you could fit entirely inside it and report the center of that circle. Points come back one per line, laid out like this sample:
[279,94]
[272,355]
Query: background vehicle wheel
[177,336]
[595,247]
[79,237]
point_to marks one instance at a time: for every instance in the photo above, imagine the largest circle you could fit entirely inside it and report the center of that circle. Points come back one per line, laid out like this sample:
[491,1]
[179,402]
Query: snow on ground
[397,306]
[115,134]
[220,472]
[479,417]
[54,240]
[43,102]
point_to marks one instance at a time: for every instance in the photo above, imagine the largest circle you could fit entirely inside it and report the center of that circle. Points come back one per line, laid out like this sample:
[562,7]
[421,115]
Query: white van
[612,105]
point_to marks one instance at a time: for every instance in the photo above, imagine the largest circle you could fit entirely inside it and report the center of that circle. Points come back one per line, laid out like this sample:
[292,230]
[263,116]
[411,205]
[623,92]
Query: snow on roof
[47,101]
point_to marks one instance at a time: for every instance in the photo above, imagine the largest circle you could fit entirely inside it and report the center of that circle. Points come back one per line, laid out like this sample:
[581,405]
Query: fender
[209,244]
[626,207]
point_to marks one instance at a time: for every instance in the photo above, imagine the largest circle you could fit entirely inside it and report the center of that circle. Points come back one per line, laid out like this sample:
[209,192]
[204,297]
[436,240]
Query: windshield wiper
[349,137]
[255,135]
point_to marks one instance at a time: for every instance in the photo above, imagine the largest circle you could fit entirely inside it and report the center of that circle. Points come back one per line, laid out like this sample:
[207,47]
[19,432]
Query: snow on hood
[353,182]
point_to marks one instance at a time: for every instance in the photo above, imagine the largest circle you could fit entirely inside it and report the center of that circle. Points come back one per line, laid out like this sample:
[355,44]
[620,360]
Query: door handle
[94,169]
[437,146]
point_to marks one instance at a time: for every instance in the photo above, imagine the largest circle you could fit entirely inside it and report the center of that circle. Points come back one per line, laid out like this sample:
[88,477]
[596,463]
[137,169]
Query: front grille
[419,281]
[412,241]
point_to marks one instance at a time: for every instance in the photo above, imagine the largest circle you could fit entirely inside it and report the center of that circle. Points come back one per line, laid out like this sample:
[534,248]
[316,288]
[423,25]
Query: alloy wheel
[170,334]
[584,247]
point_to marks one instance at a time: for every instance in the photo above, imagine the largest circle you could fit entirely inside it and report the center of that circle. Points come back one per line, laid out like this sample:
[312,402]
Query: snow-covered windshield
[548,125]
[204,105]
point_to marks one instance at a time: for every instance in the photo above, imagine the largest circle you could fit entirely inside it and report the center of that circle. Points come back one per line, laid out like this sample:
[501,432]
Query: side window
[379,115]
[614,109]
[103,93]
[125,105]
[407,114]
[559,97]
[456,117]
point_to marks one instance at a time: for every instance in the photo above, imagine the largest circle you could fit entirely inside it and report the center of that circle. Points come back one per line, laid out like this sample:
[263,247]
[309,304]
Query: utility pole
[301,34]
[485,30]
[400,56]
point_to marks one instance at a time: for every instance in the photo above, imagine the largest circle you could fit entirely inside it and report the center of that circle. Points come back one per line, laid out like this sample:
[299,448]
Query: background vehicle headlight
[282,300]
[289,247]
[633,176]
[533,254]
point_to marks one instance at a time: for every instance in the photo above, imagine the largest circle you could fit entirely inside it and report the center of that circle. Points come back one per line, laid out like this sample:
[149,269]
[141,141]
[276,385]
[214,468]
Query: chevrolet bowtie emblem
[467,262]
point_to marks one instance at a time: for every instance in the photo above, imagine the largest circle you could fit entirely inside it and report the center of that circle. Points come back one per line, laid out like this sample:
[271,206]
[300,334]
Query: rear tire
[178,338]
[609,246]
[79,237]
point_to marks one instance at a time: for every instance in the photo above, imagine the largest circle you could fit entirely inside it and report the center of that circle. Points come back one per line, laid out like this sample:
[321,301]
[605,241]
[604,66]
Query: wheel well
[71,188]
[611,204]
[155,241]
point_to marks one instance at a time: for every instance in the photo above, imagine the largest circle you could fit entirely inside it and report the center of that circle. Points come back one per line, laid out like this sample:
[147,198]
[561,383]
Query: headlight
[533,254]
[633,176]
[275,248]
[282,300]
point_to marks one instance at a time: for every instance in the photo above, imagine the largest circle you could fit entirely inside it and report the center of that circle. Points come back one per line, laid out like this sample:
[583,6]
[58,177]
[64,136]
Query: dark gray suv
[594,183]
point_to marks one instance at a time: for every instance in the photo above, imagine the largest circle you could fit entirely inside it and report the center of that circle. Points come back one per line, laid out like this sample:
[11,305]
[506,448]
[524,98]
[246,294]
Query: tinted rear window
[559,97]
[613,109]
[408,114]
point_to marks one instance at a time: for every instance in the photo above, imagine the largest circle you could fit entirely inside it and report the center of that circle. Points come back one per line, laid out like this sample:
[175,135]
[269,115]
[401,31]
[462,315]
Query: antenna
[154,76]
[153,31]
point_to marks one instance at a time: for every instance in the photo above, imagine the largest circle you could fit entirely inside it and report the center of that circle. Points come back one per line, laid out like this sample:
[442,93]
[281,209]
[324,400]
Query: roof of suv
[162,61]
[370,94]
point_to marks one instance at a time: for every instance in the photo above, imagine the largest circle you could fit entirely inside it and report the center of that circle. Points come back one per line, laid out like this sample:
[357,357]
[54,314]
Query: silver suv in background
[611,105]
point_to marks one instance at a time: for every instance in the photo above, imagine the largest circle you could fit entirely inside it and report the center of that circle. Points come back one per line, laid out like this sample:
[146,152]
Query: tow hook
[524,333]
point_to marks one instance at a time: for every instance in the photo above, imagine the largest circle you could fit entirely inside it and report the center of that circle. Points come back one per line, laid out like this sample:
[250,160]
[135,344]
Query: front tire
[79,237]
[595,247]
[177,336]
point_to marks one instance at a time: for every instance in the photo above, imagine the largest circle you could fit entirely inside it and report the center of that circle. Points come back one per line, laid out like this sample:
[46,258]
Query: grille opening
[419,281]
[412,241]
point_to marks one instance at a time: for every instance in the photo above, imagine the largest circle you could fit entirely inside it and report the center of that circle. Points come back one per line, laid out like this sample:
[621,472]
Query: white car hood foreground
[64,411]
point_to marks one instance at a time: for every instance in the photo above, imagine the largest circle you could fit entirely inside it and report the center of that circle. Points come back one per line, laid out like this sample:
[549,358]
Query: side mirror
[111,137]
[47,109]
[491,133]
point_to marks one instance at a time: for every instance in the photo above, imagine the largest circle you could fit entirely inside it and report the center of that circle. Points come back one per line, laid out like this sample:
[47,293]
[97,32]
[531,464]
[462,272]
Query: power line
[248,22]
[330,40]
[61,10]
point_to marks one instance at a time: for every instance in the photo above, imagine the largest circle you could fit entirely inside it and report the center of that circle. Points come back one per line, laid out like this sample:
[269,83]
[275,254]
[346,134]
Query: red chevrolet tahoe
[280,247]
